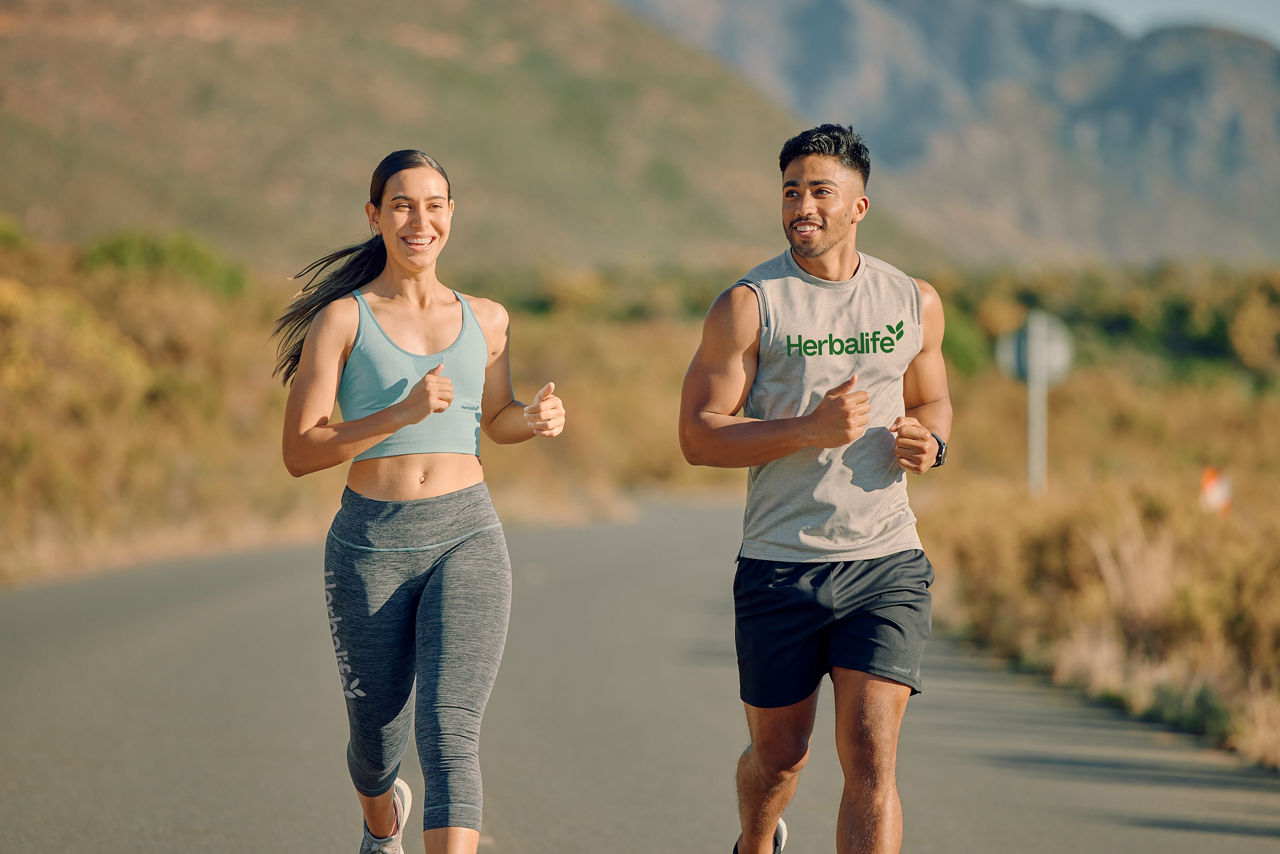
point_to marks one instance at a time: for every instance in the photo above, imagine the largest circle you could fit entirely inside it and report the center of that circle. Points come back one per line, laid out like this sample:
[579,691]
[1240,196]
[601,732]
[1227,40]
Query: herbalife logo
[350,685]
[862,343]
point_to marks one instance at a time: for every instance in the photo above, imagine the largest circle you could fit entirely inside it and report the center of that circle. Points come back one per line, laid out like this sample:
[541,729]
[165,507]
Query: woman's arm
[504,419]
[310,442]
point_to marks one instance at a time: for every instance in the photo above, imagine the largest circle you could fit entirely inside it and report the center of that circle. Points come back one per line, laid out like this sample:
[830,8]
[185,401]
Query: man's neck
[834,266]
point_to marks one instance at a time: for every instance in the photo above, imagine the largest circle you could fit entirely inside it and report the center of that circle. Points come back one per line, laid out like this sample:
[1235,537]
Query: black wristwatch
[942,451]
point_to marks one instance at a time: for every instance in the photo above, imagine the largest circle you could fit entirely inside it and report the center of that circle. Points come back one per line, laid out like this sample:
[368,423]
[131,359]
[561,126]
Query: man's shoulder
[778,267]
[881,267]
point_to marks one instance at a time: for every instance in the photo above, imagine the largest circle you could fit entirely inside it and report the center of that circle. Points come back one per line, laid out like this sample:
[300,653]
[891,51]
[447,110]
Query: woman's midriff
[411,476]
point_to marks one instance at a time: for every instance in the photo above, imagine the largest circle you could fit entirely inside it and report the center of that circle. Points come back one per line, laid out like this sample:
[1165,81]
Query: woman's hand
[545,415]
[432,393]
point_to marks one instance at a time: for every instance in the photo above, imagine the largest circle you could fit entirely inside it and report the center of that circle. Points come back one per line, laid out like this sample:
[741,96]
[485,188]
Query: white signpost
[1040,355]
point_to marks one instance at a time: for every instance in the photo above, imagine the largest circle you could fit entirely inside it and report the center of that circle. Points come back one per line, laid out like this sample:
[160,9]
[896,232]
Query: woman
[417,577]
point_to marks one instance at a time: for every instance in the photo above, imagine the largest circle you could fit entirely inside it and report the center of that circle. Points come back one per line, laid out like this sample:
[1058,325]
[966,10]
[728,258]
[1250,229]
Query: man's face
[821,201]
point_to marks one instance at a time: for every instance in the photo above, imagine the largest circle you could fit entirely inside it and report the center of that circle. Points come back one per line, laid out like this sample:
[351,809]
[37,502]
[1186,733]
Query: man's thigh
[780,627]
[884,616]
[869,712]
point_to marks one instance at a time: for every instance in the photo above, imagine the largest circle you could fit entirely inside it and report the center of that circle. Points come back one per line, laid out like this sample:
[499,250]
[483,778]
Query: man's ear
[860,208]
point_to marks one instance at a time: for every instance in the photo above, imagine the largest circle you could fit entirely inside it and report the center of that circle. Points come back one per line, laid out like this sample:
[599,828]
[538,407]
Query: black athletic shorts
[795,621]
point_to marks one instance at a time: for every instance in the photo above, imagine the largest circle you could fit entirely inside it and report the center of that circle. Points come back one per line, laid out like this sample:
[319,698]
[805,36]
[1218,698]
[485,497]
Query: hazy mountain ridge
[987,112]
[574,134]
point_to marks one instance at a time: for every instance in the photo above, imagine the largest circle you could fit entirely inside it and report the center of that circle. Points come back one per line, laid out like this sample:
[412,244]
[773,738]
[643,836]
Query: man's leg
[769,769]
[869,713]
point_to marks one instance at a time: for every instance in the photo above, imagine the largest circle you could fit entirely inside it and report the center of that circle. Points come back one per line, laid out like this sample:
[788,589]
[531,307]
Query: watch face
[942,451]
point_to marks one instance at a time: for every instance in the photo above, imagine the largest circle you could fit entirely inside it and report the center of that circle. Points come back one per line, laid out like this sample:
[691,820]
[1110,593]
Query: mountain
[573,133]
[1012,132]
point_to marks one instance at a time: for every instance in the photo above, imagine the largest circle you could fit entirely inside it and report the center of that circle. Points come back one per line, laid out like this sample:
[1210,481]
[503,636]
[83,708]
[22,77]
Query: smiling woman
[417,577]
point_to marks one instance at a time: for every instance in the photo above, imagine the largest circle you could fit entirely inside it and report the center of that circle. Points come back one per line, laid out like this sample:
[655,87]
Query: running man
[821,370]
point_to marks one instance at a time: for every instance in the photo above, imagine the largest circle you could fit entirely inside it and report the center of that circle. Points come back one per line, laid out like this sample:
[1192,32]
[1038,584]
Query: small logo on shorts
[904,670]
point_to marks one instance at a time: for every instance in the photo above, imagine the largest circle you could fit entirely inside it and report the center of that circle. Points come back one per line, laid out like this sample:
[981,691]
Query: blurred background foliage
[141,418]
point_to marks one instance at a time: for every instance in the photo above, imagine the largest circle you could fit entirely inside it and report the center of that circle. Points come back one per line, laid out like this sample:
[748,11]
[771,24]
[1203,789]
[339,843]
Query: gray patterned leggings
[418,590]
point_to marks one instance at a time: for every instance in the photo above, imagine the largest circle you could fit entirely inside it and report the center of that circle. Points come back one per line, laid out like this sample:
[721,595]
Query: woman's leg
[461,628]
[372,599]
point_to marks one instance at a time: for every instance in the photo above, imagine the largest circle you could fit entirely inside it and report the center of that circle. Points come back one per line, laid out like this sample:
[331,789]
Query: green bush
[12,235]
[178,254]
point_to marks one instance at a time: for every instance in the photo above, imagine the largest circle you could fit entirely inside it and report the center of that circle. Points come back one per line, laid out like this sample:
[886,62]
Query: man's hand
[841,416]
[546,414]
[915,447]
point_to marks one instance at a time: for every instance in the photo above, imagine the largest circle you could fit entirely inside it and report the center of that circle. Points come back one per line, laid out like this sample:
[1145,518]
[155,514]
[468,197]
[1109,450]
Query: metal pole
[1037,403]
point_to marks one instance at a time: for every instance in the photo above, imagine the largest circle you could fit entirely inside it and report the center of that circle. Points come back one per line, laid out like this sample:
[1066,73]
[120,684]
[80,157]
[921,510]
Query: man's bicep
[723,369]
[925,380]
[714,385]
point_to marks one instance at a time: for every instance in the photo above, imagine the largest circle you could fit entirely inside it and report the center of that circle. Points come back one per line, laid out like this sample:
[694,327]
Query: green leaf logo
[895,331]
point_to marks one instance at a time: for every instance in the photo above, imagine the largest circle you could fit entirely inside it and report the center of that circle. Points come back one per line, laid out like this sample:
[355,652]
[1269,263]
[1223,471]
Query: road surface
[193,706]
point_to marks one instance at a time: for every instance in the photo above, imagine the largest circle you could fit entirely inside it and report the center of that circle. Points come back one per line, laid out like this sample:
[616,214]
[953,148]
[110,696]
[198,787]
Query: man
[834,360]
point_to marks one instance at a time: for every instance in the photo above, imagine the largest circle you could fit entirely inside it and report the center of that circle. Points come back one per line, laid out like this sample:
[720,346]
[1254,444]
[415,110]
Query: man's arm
[924,392]
[716,386]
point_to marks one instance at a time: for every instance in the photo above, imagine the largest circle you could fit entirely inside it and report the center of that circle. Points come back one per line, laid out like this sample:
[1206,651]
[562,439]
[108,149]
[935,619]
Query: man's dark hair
[832,141]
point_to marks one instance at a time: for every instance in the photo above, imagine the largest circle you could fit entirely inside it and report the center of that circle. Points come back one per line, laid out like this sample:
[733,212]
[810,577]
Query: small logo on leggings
[350,687]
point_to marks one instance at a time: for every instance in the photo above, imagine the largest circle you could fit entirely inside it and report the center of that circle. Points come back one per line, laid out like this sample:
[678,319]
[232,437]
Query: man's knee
[870,757]
[781,755]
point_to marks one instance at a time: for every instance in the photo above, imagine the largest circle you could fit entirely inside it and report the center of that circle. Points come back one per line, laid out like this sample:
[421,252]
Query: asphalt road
[194,707]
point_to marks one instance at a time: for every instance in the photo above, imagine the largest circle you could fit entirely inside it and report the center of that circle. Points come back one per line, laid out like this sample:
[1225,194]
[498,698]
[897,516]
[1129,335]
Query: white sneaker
[779,838]
[401,802]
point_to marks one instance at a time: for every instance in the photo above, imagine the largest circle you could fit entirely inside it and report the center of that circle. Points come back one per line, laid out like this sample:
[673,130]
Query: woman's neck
[418,286]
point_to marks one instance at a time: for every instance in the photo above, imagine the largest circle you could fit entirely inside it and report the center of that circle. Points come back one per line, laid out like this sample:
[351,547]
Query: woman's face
[414,217]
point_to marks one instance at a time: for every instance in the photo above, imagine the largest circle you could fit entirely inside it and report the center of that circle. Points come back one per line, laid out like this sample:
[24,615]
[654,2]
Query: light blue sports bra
[379,373]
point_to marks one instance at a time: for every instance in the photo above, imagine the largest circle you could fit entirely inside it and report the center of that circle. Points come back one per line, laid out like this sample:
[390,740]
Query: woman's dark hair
[363,263]
[833,141]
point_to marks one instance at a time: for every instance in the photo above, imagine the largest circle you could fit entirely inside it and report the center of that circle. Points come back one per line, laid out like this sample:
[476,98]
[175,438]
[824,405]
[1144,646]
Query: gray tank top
[830,504]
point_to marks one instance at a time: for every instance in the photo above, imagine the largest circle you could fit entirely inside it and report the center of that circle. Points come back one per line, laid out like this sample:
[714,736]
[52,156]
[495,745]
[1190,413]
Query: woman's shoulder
[343,307]
[489,313]
[341,317]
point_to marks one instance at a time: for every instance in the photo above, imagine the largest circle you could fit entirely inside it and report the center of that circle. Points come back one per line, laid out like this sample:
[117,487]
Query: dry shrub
[1257,730]
[140,414]
[621,387]
[1115,579]
[138,410]
[1138,599]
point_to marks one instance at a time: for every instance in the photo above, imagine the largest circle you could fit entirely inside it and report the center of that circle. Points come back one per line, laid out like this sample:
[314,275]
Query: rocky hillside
[1011,131]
